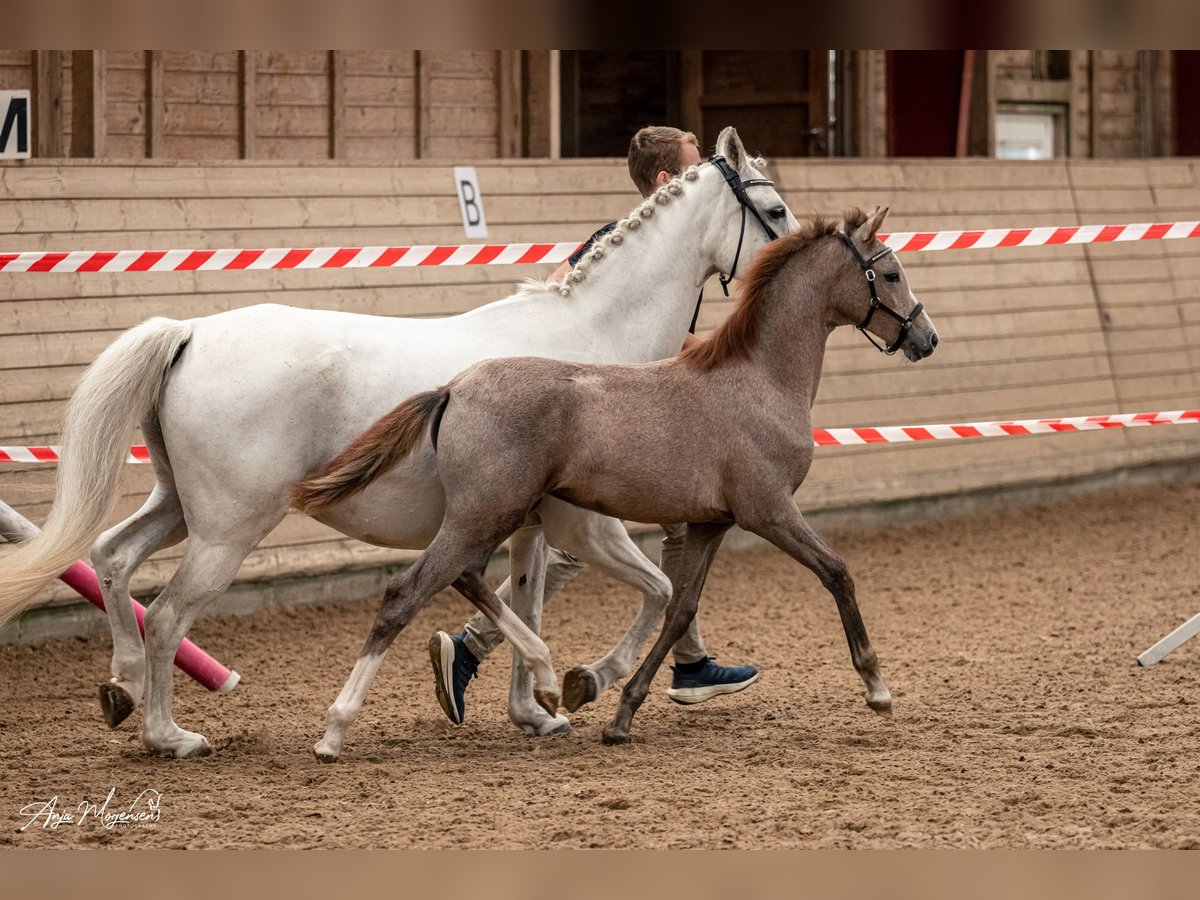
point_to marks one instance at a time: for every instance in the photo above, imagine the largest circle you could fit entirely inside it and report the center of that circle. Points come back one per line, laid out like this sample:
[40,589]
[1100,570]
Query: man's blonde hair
[654,149]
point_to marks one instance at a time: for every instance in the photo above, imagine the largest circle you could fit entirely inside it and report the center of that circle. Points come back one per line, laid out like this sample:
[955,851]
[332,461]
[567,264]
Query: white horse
[237,406]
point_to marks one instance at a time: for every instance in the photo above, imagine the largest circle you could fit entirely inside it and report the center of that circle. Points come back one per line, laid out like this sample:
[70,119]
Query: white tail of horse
[116,393]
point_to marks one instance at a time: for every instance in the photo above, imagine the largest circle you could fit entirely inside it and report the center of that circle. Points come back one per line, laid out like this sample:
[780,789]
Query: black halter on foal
[876,303]
[734,180]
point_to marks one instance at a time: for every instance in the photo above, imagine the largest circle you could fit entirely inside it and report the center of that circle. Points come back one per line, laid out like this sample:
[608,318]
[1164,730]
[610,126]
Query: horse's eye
[893,277]
[778,212]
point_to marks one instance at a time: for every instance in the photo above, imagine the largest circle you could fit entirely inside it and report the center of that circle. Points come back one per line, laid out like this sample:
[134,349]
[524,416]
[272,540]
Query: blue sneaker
[703,680]
[453,666]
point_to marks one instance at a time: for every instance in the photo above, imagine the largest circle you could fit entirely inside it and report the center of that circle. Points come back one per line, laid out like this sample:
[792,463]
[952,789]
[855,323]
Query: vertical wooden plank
[509,91]
[247,103]
[337,104]
[87,103]
[156,106]
[990,79]
[47,103]
[535,123]
[1077,132]
[1093,102]
[422,109]
[555,104]
[1147,105]
[691,77]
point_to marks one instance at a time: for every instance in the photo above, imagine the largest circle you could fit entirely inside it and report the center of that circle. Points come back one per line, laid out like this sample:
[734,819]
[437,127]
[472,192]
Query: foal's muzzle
[877,305]
[918,346]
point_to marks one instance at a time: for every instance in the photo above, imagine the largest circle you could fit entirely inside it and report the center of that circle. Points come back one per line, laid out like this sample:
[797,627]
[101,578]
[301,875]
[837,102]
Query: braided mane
[739,333]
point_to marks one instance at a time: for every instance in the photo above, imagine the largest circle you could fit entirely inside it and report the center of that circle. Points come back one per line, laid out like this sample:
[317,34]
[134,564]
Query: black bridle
[734,180]
[876,303]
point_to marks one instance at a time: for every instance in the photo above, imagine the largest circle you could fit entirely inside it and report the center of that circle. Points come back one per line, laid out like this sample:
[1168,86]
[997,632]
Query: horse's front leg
[786,528]
[703,540]
[527,585]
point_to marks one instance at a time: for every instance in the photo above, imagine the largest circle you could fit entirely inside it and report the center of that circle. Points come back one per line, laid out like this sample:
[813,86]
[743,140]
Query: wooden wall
[283,104]
[1025,333]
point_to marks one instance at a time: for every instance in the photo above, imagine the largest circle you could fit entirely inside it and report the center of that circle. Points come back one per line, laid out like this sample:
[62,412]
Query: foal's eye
[778,212]
[893,277]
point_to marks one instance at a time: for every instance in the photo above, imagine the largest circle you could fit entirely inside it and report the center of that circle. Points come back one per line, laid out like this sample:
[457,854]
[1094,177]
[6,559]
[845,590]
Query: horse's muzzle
[917,346]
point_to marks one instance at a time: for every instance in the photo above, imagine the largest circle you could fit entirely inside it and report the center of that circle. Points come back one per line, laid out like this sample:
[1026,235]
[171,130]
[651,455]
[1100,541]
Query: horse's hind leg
[703,540]
[603,542]
[116,555]
[207,569]
[788,531]
[527,590]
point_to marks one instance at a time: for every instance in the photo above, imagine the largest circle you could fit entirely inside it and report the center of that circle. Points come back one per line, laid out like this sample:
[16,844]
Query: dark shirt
[575,257]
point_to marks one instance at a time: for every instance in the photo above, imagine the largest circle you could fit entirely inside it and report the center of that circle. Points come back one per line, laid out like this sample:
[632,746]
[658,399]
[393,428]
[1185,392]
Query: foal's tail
[372,454]
[118,391]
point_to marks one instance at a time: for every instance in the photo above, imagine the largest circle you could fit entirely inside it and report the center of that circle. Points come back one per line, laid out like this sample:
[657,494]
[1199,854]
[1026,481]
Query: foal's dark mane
[739,333]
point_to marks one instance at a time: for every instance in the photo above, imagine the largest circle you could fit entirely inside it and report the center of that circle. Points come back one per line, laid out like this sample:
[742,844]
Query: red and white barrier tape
[524,254]
[905,434]
[833,437]
[285,258]
[1040,237]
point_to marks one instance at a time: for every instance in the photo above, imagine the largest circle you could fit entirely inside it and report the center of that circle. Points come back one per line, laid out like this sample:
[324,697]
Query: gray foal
[721,434]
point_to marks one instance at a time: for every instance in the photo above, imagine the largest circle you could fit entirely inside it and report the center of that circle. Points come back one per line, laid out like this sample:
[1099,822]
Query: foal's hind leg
[442,563]
[788,531]
[703,540]
[603,542]
[116,555]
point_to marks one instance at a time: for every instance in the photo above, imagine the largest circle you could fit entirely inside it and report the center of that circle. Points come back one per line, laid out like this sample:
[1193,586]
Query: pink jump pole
[80,576]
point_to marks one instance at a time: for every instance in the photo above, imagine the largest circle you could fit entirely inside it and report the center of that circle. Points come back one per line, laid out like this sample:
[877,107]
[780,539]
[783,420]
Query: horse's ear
[865,233]
[729,145]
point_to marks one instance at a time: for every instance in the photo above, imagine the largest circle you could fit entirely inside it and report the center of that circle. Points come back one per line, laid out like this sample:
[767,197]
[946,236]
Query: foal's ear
[866,232]
[729,145]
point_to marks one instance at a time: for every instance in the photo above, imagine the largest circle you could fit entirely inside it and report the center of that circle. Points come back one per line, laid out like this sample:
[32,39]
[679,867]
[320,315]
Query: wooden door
[777,99]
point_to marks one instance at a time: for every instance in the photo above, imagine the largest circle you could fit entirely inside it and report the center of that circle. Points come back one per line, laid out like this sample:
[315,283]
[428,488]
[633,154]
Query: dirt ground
[1008,641]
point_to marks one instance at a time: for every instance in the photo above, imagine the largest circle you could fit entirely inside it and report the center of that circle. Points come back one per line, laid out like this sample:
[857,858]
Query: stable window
[1030,132]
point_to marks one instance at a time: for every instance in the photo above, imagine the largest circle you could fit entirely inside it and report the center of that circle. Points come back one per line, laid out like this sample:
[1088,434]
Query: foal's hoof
[115,704]
[613,736]
[547,700]
[881,705]
[580,687]
[326,757]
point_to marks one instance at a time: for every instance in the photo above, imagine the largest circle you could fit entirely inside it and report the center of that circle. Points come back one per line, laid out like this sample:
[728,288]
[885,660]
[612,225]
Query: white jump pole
[1172,641]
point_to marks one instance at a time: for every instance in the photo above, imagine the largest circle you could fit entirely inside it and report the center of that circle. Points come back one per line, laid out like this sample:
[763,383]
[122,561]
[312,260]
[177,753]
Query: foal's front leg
[788,531]
[701,545]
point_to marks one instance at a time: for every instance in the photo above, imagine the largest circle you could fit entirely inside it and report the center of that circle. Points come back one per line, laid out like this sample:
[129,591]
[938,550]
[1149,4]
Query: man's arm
[561,272]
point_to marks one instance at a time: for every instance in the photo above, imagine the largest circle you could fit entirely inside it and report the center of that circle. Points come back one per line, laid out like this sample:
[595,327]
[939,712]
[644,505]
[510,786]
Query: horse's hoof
[115,704]
[547,700]
[613,737]
[580,687]
[198,752]
[326,757]
[881,705]
[564,728]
